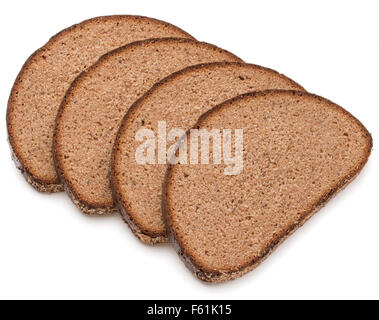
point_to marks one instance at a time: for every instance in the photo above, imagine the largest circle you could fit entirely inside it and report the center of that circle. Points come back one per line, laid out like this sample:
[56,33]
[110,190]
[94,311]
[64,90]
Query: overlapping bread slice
[299,150]
[92,110]
[48,73]
[179,100]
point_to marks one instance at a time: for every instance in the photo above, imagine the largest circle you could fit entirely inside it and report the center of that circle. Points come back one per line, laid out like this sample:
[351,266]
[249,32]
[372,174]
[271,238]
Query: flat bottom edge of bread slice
[37,184]
[141,235]
[82,205]
[216,276]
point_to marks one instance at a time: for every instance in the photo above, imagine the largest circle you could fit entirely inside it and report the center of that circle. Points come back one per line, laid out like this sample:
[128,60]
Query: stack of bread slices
[85,103]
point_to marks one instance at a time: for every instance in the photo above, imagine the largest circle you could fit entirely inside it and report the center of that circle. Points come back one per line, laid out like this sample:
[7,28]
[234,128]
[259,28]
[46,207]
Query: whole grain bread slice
[299,151]
[179,100]
[47,74]
[92,110]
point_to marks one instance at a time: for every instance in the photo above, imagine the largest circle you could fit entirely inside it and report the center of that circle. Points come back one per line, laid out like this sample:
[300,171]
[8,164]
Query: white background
[48,249]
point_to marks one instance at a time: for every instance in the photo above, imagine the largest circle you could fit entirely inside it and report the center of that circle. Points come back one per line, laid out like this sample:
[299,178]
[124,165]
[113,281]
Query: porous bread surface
[299,150]
[179,100]
[92,110]
[48,73]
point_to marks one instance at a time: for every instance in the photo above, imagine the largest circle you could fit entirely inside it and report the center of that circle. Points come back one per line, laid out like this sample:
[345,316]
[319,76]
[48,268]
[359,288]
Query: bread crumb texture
[179,100]
[299,150]
[93,108]
[48,73]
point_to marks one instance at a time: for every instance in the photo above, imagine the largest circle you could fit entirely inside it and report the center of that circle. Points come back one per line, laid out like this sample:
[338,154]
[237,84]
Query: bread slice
[299,150]
[179,100]
[47,74]
[92,110]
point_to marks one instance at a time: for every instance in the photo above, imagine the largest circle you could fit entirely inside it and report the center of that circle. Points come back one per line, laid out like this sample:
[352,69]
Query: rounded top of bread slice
[48,73]
[179,100]
[298,151]
[91,113]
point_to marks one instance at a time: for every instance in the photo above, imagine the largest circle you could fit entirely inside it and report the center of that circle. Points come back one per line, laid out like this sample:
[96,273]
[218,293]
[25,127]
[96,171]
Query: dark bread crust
[82,204]
[45,185]
[142,234]
[34,181]
[217,276]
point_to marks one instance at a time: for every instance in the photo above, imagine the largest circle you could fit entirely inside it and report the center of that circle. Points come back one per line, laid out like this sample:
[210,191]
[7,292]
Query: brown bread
[299,151]
[180,100]
[92,110]
[48,73]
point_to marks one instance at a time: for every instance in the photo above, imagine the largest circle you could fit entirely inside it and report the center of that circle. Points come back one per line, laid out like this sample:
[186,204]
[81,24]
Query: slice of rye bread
[93,108]
[179,100]
[299,151]
[48,73]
